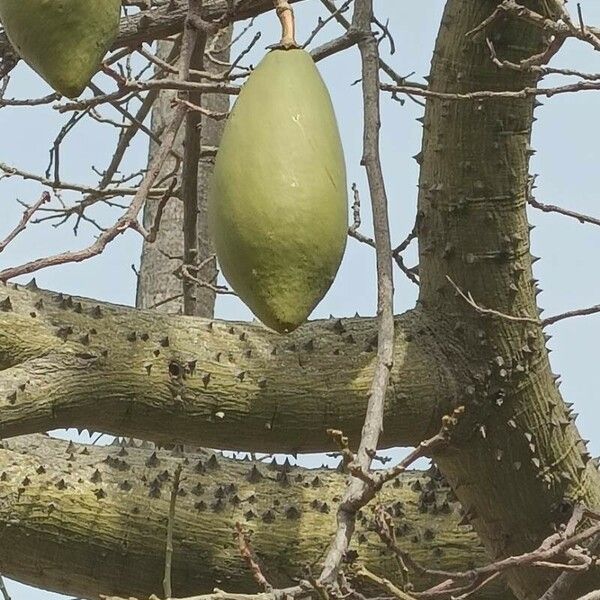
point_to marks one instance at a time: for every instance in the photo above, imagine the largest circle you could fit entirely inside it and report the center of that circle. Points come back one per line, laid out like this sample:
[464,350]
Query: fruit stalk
[288,26]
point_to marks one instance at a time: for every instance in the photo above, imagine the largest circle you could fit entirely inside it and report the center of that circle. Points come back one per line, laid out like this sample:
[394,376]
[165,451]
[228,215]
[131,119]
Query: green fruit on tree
[64,41]
[278,205]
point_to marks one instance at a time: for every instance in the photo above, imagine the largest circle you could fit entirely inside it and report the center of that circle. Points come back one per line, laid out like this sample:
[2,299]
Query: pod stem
[288,25]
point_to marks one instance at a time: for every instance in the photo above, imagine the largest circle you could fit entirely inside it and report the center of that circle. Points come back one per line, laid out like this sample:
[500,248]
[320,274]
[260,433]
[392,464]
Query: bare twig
[167,583]
[3,590]
[27,214]
[489,311]
[249,558]
[358,491]
[581,312]
[550,208]
[126,221]
[354,232]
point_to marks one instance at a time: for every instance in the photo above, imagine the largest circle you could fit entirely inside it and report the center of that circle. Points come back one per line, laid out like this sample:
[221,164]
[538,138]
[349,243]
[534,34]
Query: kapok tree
[464,376]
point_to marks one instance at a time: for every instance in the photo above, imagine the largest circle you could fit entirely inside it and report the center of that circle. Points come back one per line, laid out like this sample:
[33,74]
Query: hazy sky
[565,137]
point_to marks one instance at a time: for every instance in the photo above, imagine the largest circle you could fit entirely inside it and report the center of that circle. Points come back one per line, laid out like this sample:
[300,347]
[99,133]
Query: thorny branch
[25,219]
[562,550]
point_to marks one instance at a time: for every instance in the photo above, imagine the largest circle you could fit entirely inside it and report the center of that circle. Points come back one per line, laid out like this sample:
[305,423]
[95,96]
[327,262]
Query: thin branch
[247,554]
[193,47]
[10,171]
[581,312]
[3,590]
[29,212]
[550,208]
[354,232]
[359,492]
[527,92]
[126,221]
[489,311]
[167,583]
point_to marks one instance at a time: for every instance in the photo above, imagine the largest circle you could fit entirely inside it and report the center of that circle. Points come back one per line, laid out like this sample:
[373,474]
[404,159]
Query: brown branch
[167,584]
[383,583]
[527,92]
[247,554]
[466,583]
[27,214]
[359,492]
[581,312]
[126,221]
[322,23]
[550,208]
[555,27]
[10,171]
[489,311]
[136,86]
[354,232]
[321,52]
[4,102]
[193,47]
[152,234]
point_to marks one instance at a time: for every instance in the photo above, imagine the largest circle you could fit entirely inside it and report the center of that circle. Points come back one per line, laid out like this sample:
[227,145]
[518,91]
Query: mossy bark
[85,520]
[67,362]
[519,455]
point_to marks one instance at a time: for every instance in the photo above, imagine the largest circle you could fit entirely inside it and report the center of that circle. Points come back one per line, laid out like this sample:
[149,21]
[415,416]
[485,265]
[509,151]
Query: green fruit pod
[63,41]
[278,209]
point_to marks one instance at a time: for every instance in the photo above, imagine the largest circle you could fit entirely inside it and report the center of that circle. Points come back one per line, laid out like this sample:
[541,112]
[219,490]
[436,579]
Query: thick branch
[161,23]
[85,520]
[69,362]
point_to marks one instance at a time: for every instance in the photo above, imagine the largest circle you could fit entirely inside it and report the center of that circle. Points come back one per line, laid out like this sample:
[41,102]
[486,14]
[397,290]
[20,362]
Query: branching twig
[126,221]
[358,492]
[29,212]
[354,232]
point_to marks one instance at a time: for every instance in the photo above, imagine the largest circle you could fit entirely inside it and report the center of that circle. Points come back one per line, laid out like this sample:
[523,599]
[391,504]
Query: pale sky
[565,137]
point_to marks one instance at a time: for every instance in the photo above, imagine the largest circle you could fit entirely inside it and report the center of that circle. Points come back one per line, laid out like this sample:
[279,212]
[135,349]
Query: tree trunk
[158,287]
[519,455]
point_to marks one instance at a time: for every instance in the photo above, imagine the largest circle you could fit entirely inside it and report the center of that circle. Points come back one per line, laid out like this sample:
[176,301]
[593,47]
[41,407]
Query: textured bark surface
[85,520]
[65,362]
[157,283]
[520,454]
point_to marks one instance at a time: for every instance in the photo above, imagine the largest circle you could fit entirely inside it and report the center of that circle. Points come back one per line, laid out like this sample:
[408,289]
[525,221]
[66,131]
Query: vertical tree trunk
[157,285]
[518,460]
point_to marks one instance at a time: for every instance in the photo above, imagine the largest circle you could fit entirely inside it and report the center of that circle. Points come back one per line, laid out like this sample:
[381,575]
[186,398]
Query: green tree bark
[520,454]
[85,520]
[67,362]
